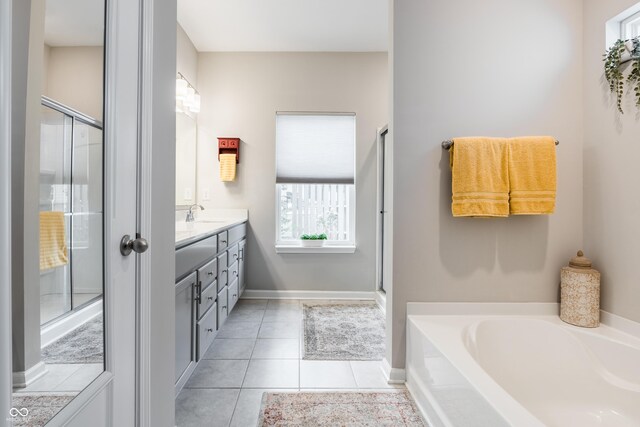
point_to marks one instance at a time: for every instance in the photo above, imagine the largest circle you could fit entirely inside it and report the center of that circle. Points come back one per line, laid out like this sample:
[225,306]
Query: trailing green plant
[313,237]
[613,72]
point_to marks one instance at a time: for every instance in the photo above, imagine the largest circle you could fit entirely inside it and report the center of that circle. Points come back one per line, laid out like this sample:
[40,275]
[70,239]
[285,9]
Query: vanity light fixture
[187,97]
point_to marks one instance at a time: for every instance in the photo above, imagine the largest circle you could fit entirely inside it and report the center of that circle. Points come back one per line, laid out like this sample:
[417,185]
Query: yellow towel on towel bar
[532,173]
[480,177]
[53,245]
[227,167]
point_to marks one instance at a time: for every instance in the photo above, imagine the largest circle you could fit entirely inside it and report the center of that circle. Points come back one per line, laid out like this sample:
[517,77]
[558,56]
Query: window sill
[328,249]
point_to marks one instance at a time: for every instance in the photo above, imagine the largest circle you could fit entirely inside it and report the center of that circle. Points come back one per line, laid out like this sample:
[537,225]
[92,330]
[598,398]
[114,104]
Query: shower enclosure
[71,154]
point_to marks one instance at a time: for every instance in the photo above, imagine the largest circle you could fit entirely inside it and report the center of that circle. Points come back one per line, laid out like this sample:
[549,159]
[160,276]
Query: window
[630,27]
[315,178]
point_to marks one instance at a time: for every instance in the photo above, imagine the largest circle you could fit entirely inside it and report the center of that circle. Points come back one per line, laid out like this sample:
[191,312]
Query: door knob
[138,245]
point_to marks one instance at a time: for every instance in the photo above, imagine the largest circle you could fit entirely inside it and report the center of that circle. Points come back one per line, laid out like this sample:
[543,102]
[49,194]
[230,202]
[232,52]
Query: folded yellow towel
[480,177]
[532,174]
[53,245]
[227,167]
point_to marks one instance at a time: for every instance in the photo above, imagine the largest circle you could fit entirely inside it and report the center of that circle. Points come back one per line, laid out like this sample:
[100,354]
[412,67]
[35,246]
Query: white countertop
[207,223]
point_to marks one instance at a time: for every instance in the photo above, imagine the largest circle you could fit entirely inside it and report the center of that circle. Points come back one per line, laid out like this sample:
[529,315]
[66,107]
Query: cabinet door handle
[235,295]
[209,298]
[198,292]
[223,241]
[209,330]
[235,273]
[235,255]
[210,273]
[224,271]
[224,307]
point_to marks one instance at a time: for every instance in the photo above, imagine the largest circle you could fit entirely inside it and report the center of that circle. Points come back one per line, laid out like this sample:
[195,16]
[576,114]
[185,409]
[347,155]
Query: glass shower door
[86,246]
[55,196]
[71,170]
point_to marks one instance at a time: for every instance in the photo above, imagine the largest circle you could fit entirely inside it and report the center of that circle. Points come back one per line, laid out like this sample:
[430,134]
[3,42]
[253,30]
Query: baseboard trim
[393,375]
[52,332]
[22,379]
[343,295]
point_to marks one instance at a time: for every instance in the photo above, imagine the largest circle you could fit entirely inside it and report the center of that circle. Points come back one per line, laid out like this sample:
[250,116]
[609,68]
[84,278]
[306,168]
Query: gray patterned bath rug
[343,332]
[339,409]
[36,409]
[84,344]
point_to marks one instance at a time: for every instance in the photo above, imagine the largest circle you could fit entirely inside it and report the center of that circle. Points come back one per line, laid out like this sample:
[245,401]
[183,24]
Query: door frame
[6,14]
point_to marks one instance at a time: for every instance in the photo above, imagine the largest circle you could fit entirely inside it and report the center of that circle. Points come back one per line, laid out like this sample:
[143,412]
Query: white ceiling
[285,25]
[74,23]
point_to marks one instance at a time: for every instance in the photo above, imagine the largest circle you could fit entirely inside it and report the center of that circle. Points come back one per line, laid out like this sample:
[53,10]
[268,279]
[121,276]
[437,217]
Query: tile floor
[260,349]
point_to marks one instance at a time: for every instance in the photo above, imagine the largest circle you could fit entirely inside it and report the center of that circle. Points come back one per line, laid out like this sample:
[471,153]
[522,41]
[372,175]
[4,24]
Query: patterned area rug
[343,332]
[36,409]
[339,409]
[82,345]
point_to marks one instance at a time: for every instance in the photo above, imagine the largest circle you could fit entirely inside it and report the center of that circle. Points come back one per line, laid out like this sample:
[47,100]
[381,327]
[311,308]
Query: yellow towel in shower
[532,173]
[53,246]
[227,167]
[480,177]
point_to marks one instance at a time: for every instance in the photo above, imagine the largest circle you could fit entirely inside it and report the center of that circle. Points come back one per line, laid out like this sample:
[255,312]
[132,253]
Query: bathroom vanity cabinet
[209,282]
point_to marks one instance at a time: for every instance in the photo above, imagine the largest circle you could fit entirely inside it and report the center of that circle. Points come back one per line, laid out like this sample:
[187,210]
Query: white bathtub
[484,369]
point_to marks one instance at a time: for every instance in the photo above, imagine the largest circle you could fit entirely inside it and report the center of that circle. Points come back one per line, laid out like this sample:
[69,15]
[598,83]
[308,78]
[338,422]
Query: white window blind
[315,148]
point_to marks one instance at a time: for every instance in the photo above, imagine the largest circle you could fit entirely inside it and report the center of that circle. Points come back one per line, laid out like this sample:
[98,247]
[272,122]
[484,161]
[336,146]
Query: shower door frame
[85,119]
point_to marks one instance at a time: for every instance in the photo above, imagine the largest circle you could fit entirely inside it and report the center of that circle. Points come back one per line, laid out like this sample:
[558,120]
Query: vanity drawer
[223,310]
[223,273]
[233,294]
[238,232]
[207,273]
[207,331]
[223,240]
[207,299]
[232,254]
[233,272]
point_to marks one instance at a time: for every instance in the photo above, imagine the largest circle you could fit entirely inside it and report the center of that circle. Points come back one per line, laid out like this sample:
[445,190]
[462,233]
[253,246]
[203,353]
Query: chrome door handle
[138,245]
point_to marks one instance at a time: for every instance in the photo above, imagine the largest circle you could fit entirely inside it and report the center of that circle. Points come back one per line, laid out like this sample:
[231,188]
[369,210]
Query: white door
[113,400]
[110,399]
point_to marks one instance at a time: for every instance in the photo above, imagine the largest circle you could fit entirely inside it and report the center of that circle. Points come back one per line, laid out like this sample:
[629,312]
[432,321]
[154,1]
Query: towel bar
[449,143]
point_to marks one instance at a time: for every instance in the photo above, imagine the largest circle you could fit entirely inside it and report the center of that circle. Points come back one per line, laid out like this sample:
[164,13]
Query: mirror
[186,140]
[58,330]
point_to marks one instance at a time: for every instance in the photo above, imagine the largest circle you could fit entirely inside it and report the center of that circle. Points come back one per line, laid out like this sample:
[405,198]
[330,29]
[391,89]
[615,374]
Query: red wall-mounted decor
[228,145]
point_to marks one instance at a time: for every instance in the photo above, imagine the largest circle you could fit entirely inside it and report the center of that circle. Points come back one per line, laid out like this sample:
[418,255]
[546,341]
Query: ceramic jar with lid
[580,293]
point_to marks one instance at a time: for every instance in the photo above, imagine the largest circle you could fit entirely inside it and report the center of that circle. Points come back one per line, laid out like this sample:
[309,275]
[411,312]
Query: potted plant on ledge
[313,240]
[622,52]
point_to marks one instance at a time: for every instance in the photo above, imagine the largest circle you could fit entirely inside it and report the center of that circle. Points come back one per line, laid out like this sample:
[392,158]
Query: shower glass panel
[55,192]
[71,155]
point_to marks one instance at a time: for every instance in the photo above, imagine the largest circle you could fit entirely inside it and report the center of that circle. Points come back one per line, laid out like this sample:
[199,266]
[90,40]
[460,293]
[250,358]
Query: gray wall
[241,93]
[25,167]
[611,173]
[499,68]
[187,56]
[74,77]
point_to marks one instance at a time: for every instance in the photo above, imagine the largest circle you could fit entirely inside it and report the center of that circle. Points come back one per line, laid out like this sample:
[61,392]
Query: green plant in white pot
[622,52]
[313,240]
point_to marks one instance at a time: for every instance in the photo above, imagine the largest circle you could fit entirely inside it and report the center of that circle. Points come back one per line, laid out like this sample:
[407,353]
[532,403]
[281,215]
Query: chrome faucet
[190,213]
